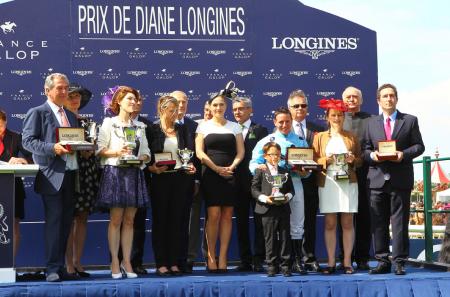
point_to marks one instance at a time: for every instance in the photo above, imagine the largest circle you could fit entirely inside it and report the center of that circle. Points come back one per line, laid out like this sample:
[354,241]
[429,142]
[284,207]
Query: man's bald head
[182,102]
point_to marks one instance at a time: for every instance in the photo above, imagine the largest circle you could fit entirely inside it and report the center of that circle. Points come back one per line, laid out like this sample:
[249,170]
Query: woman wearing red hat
[338,151]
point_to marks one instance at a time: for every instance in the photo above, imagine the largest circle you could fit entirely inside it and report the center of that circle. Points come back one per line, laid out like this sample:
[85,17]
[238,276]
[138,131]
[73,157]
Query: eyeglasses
[274,155]
[297,106]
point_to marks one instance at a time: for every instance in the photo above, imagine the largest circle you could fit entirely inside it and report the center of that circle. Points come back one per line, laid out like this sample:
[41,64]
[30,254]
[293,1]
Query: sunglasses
[297,106]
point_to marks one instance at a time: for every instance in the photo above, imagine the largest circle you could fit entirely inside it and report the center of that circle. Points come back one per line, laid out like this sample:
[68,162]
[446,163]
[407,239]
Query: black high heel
[82,273]
[329,270]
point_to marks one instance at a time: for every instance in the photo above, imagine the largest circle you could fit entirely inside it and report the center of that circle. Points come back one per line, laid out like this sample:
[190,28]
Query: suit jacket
[39,137]
[255,133]
[260,186]
[320,144]
[12,142]
[312,129]
[408,140]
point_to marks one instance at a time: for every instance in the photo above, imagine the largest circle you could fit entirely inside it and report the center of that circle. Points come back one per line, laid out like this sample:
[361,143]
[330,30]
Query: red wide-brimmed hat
[332,104]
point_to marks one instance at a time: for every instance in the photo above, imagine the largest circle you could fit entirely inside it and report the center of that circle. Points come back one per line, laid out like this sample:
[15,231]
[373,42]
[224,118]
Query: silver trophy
[277,182]
[185,156]
[339,160]
[92,130]
[131,137]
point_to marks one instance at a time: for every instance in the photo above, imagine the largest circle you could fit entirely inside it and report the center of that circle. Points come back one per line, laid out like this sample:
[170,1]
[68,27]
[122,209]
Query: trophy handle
[285,178]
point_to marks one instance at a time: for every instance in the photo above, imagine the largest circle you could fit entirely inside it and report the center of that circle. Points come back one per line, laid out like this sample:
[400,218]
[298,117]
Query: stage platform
[418,282]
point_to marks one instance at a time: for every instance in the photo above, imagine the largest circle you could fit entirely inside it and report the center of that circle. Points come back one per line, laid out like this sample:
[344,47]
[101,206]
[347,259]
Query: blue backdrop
[268,48]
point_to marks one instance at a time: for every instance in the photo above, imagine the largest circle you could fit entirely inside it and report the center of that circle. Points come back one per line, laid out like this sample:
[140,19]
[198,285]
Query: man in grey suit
[390,182]
[55,180]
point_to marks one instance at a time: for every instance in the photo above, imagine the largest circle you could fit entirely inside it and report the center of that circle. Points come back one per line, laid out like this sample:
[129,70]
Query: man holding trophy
[338,152]
[391,142]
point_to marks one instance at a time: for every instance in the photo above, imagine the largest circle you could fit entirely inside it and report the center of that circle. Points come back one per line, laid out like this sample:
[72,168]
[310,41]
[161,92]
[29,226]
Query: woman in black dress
[220,147]
[86,189]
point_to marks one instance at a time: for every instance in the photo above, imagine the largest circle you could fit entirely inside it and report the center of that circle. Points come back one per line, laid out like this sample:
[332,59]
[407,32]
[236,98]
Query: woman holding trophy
[169,187]
[338,151]
[123,148]
[87,187]
[220,147]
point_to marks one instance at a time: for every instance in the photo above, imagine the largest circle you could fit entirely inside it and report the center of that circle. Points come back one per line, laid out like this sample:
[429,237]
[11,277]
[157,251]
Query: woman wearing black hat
[86,189]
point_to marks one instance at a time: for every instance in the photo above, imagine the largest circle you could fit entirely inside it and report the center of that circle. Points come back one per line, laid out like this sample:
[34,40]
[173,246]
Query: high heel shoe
[82,273]
[116,275]
[128,274]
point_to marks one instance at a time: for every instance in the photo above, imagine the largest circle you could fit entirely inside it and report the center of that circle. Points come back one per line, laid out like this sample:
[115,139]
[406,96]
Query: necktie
[387,129]
[64,120]
[2,146]
[300,133]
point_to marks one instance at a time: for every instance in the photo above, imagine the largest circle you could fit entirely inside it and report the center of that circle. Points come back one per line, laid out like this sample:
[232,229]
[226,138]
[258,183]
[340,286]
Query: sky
[413,39]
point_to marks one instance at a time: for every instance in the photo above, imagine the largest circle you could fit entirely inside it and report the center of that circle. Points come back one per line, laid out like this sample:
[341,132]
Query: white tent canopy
[443,196]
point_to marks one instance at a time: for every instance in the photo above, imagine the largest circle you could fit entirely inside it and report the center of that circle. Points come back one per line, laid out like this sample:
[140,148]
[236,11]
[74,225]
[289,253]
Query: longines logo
[272,75]
[189,54]
[211,94]
[190,73]
[21,72]
[325,74]
[242,73]
[163,74]
[82,53]
[46,73]
[193,115]
[315,46]
[325,93]
[109,74]
[216,74]
[137,53]
[216,52]
[192,96]
[8,27]
[161,93]
[137,73]
[298,72]
[272,94]
[82,73]
[242,54]
[87,115]
[110,52]
[351,73]
[163,52]
[21,96]
[20,116]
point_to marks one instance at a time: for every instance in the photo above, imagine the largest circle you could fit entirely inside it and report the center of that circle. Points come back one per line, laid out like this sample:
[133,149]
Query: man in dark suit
[355,121]
[252,133]
[298,106]
[12,151]
[390,182]
[55,180]
[137,252]
[193,200]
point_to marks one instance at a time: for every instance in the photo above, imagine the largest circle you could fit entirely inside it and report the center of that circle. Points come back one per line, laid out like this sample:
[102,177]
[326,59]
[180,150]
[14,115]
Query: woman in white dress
[338,151]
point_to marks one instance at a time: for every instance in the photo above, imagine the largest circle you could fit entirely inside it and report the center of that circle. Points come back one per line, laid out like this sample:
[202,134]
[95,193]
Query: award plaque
[73,139]
[387,150]
[302,158]
[165,159]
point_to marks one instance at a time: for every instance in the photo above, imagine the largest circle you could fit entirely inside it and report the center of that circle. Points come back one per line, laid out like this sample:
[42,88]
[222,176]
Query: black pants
[311,207]
[389,205]
[169,193]
[59,209]
[244,205]
[277,240]
[363,235]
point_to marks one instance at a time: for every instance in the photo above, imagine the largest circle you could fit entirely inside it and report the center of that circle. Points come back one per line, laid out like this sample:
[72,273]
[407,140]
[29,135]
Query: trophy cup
[277,182]
[131,139]
[185,155]
[342,173]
